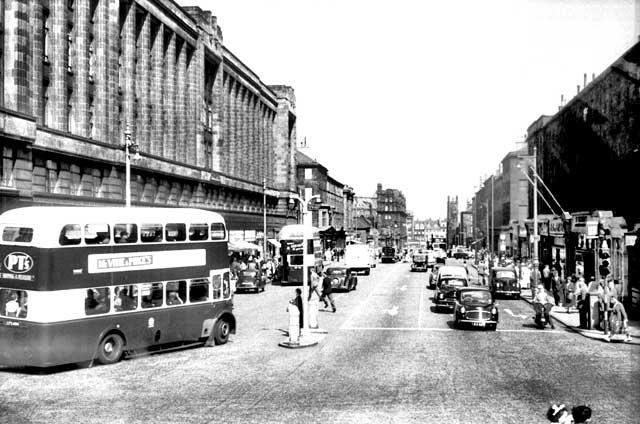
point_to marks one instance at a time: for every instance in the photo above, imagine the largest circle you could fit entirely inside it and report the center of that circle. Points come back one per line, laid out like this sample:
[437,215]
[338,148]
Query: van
[357,258]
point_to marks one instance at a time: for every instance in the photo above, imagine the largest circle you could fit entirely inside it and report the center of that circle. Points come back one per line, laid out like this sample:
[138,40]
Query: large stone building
[500,208]
[334,211]
[80,78]
[392,217]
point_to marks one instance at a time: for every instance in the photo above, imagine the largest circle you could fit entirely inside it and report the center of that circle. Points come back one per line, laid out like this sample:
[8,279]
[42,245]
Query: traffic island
[301,341]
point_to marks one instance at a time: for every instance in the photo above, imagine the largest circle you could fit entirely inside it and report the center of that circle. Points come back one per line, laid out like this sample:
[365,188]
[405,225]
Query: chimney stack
[578,89]
[593,76]
[585,80]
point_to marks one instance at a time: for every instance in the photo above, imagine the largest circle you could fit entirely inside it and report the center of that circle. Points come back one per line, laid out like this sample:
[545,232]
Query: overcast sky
[423,96]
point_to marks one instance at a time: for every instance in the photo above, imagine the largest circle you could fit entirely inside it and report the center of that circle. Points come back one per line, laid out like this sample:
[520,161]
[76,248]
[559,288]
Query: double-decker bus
[82,283]
[293,249]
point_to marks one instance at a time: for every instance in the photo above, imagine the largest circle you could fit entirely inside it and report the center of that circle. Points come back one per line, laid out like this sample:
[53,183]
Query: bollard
[294,324]
[313,314]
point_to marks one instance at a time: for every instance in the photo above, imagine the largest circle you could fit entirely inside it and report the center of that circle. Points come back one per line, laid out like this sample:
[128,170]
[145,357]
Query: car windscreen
[506,274]
[336,272]
[454,282]
[479,296]
[419,258]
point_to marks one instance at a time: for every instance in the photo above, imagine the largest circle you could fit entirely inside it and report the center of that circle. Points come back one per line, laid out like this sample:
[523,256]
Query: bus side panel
[67,268]
[44,345]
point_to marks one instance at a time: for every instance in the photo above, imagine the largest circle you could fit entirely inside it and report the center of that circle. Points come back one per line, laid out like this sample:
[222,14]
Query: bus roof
[51,215]
[298,231]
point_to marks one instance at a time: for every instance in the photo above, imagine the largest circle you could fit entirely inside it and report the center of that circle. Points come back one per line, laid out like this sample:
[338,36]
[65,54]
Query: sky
[423,96]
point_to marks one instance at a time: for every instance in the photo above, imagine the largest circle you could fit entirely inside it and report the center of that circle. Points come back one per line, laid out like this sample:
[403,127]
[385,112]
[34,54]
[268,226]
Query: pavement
[571,320]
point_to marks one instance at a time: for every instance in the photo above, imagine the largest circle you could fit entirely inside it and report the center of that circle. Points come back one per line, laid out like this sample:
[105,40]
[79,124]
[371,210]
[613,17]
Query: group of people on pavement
[572,292]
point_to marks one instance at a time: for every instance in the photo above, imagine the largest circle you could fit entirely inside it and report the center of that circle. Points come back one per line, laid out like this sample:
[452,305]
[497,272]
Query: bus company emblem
[18,262]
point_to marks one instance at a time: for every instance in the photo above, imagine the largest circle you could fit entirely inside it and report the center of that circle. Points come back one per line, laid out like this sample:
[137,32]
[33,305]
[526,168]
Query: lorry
[357,258]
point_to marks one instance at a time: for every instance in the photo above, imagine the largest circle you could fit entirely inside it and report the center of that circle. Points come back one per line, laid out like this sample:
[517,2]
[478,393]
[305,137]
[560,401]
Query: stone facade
[392,216]
[77,75]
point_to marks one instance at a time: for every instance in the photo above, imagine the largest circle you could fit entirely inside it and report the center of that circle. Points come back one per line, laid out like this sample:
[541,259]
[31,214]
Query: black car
[342,277]
[419,262]
[475,307]
[446,287]
[503,281]
[251,279]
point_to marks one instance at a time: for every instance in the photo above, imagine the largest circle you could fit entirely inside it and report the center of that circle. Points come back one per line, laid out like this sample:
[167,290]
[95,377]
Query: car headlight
[462,310]
[440,296]
[494,311]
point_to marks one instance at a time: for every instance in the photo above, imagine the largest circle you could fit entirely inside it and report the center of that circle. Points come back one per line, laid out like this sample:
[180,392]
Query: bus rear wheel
[221,331]
[110,349]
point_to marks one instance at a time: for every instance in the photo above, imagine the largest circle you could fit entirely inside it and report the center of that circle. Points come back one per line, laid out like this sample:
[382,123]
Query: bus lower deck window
[125,298]
[199,290]
[151,295]
[176,292]
[13,303]
[97,301]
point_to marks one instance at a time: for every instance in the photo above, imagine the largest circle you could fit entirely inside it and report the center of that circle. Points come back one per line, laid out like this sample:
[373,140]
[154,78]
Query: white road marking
[420,306]
[435,329]
[403,288]
[522,316]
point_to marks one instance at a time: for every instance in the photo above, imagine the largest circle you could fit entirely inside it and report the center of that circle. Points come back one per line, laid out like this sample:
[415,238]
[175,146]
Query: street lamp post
[130,147]
[305,264]
[535,219]
[264,219]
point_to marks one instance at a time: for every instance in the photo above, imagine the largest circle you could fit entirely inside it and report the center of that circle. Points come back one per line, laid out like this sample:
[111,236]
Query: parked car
[251,279]
[475,307]
[419,262]
[449,279]
[342,277]
[504,282]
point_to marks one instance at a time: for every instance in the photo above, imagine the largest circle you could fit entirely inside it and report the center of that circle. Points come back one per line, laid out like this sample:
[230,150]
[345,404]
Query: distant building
[452,221]
[392,216]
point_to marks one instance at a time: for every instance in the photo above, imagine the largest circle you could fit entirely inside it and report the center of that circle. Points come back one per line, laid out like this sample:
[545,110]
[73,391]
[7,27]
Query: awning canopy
[243,246]
[274,242]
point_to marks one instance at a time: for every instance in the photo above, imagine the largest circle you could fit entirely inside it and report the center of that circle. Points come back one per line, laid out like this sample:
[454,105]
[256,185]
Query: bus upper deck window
[175,232]
[198,232]
[97,234]
[125,233]
[71,234]
[150,233]
[217,231]
[18,234]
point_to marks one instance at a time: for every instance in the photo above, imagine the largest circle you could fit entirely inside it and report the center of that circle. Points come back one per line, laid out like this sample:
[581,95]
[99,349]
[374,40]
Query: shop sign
[556,227]
[543,228]
[592,228]
[236,236]
[249,235]
[558,241]
[579,224]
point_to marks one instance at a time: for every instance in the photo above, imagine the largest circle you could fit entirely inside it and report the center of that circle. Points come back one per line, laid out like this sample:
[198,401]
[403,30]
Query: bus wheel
[110,349]
[221,331]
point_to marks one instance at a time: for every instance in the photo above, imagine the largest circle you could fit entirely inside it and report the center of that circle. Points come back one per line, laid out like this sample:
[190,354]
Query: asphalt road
[387,357]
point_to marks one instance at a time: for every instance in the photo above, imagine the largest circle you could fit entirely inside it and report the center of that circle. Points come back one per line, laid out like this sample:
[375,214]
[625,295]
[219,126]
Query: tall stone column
[181,97]
[170,98]
[128,68]
[144,74]
[115,128]
[37,60]
[17,95]
[235,124]
[81,71]
[101,112]
[157,91]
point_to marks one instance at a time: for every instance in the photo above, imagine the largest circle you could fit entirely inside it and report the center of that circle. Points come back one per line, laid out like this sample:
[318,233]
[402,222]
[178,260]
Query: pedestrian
[327,292]
[546,277]
[558,286]
[593,287]
[297,301]
[314,283]
[580,293]
[618,321]
[570,290]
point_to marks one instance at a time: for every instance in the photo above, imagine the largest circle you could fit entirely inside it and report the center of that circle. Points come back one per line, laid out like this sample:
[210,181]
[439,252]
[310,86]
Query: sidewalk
[572,321]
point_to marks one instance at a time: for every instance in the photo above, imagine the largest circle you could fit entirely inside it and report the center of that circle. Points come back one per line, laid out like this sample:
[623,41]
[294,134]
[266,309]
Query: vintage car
[475,307]
[504,282]
[419,262]
[449,279]
[251,279]
[342,277]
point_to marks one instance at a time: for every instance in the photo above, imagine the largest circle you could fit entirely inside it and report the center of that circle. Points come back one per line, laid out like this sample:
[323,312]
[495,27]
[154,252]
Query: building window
[308,173]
